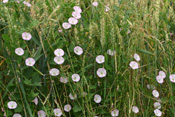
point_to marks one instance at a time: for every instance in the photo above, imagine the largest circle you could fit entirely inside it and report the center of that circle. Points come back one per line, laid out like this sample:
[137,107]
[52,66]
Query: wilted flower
[151,86]
[159,79]
[100,59]
[59,52]
[12,105]
[157,105]
[101,72]
[155,93]
[5,1]
[110,52]
[66,25]
[59,60]
[60,30]
[77,9]
[157,112]
[54,72]
[67,107]
[75,77]
[30,61]
[78,50]
[72,97]
[76,15]
[172,78]
[19,51]
[26,36]
[41,113]
[97,98]
[72,20]
[134,65]
[136,57]
[63,79]
[35,101]
[17,115]
[107,9]
[27,4]
[57,112]
[95,4]
[84,94]
[135,109]
[162,74]
[115,113]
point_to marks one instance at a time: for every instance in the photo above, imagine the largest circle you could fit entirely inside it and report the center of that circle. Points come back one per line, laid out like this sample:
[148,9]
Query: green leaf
[77,108]
[146,52]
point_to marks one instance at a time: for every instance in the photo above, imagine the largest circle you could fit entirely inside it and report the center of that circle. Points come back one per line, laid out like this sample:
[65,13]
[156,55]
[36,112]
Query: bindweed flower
[107,8]
[57,112]
[35,101]
[78,50]
[60,30]
[77,9]
[72,97]
[157,105]
[19,51]
[66,25]
[41,113]
[27,4]
[30,61]
[162,74]
[54,72]
[67,107]
[151,86]
[172,78]
[157,112]
[59,60]
[84,94]
[136,57]
[72,21]
[100,59]
[97,98]
[135,109]
[59,52]
[63,79]
[76,15]
[5,1]
[95,4]
[101,72]
[134,65]
[115,113]
[159,79]
[155,93]
[17,115]
[75,77]
[26,36]
[12,105]
[110,52]
[18,1]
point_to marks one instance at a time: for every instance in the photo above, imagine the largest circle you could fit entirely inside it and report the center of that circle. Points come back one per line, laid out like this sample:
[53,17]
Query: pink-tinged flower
[35,101]
[172,78]
[157,112]
[136,57]
[159,79]
[17,115]
[78,50]
[72,97]
[5,115]
[57,112]
[67,107]
[54,72]
[18,1]
[66,25]
[75,77]
[157,105]
[77,9]
[162,74]
[134,65]
[26,36]
[107,9]
[59,52]
[41,113]
[155,93]
[135,109]
[59,60]
[129,31]
[63,79]
[27,4]
[60,30]
[5,1]
[19,51]
[72,21]
[101,72]
[97,98]
[115,113]
[110,52]
[152,87]
[95,4]
[12,105]
[171,34]
[30,61]
[76,15]
[100,59]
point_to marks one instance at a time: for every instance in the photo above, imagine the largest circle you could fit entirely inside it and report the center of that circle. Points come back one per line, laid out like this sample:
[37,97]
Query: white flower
[135,109]
[59,60]
[72,97]
[110,52]
[115,113]
[57,112]
[155,93]
[100,59]
[78,50]
[77,9]
[5,1]
[35,101]
[66,25]
[136,57]
[95,4]
[30,61]
[27,4]
[19,51]
[76,15]
[151,86]
[26,36]
[72,20]
[101,72]
[12,105]
[157,105]
[75,77]
[159,79]
[172,78]
[67,107]
[157,112]
[63,79]
[59,52]
[162,74]
[97,98]
[134,65]
[54,72]
[41,113]
[17,115]
[107,9]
